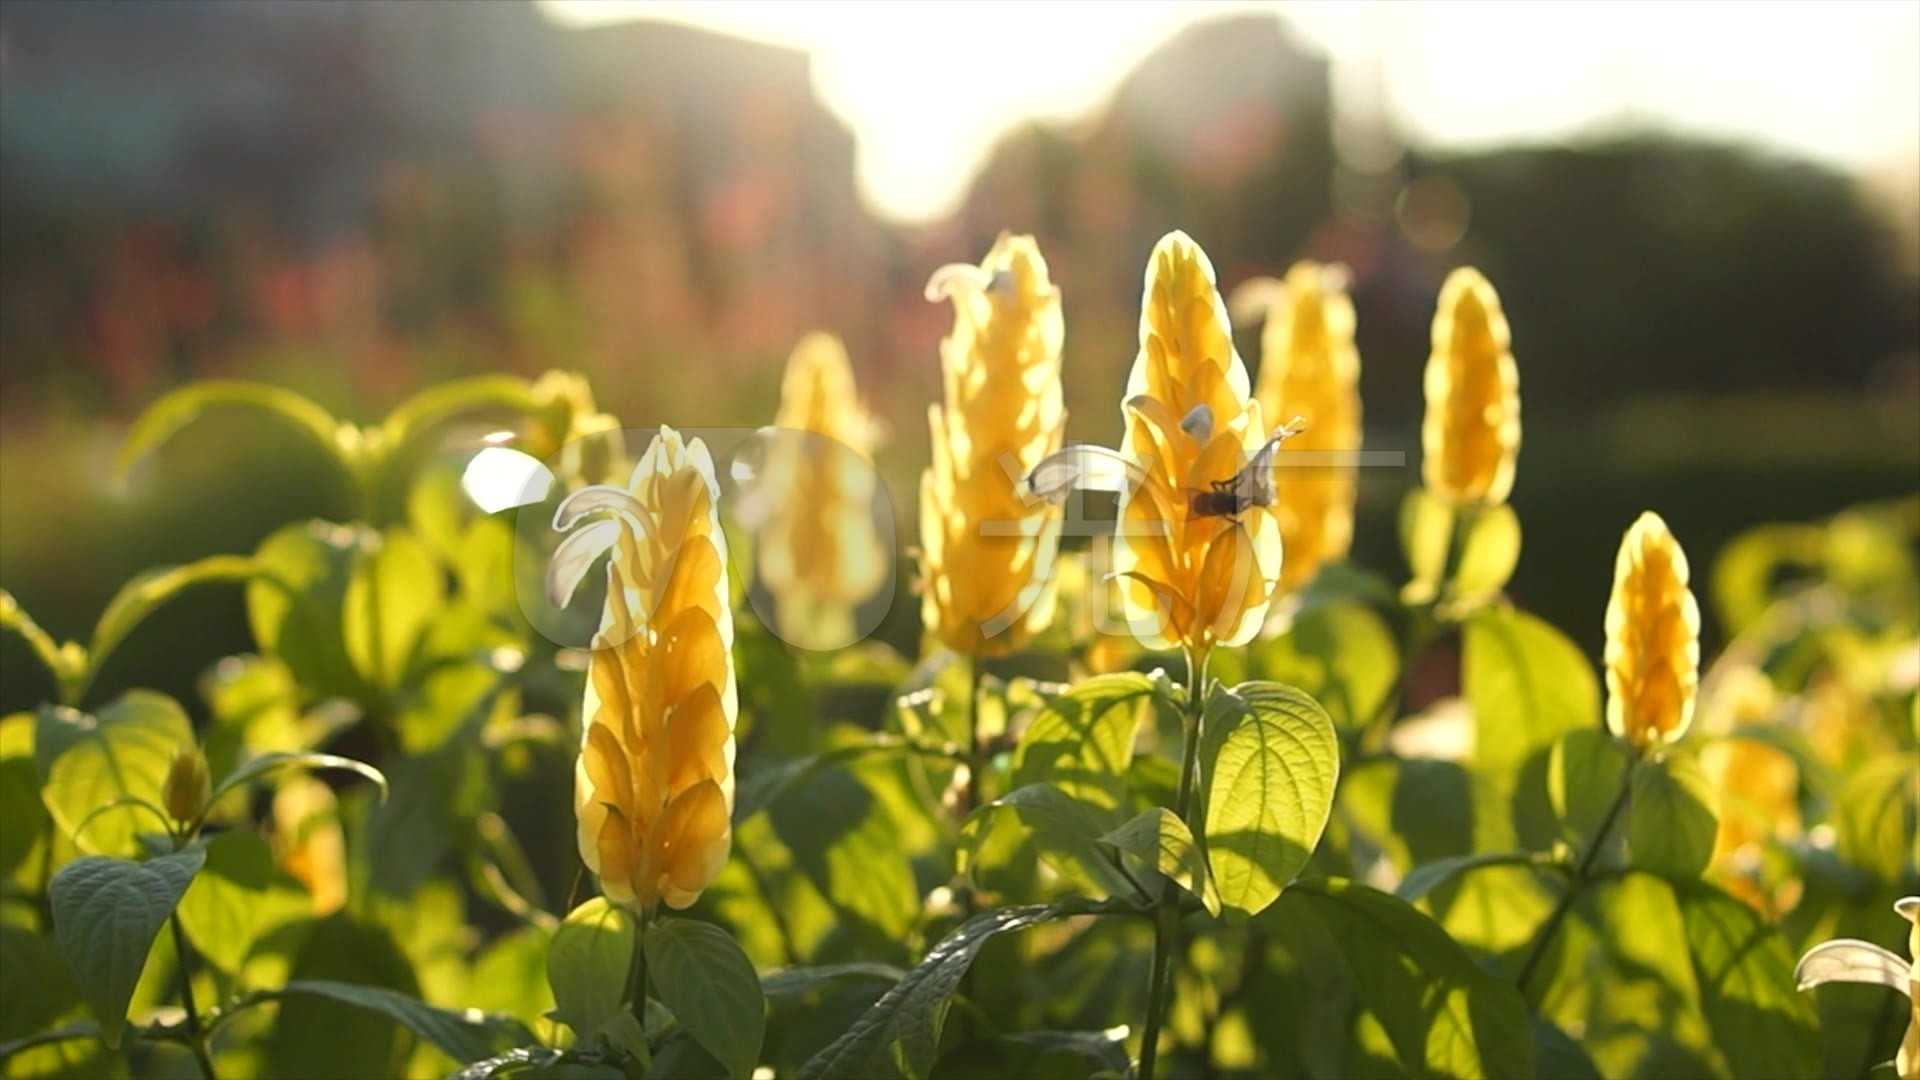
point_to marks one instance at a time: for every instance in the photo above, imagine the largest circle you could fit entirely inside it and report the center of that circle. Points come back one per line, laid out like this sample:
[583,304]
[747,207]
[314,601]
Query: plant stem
[1166,926]
[1580,872]
[974,765]
[194,1038]
[637,982]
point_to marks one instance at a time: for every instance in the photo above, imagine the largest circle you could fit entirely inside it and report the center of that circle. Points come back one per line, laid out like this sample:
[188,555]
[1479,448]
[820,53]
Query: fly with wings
[1086,467]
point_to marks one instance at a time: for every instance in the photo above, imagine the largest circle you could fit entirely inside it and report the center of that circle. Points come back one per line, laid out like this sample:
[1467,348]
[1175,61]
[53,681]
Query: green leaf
[318,1034]
[899,1036]
[185,405]
[140,597]
[222,911]
[531,1058]
[79,1029]
[1671,822]
[710,986]
[299,621]
[88,762]
[1742,583]
[24,823]
[66,663]
[1429,876]
[797,981]
[1744,969]
[1269,758]
[1442,1014]
[105,914]
[394,591]
[1160,840]
[1064,830]
[428,409]
[1488,550]
[588,965]
[260,766]
[1527,684]
[462,1036]
[1342,655]
[1877,818]
[1426,534]
[1584,777]
[1082,741]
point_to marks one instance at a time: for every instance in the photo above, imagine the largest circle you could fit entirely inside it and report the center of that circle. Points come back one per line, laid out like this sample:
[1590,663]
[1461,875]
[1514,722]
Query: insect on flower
[1248,488]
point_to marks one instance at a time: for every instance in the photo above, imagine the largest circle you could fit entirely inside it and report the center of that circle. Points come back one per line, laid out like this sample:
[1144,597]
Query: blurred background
[1704,222]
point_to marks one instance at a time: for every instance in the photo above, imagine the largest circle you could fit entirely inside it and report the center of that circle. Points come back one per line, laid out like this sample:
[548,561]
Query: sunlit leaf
[701,975]
[140,597]
[396,586]
[588,964]
[66,663]
[1671,822]
[1342,655]
[1426,534]
[420,414]
[183,406]
[1527,685]
[90,762]
[222,910]
[1082,741]
[1429,876]
[106,912]
[1442,1014]
[1584,780]
[1488,550]
[300,621]
[1745,973]
[1877,817]
[1163,843]
[261,766]
[1268,761]
[1065,830]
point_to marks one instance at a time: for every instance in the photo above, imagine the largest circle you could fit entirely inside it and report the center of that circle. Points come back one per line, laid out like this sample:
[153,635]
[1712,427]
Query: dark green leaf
[1269,759]
[793,982]
[700,974]
[463,1036]
[1878,817]
[900,1035]
[1744,970]
[105,915]
[1066,832]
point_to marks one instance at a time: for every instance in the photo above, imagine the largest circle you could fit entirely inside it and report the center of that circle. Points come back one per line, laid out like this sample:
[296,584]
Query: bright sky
[927,87]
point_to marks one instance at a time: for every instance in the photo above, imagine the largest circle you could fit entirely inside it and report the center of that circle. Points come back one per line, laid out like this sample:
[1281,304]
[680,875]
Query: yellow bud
[820,555]
[308,842]
[653,788]
[986,548]
[1470,438]
[1191,578]
[188,785]
[1653,638]
[1309,368]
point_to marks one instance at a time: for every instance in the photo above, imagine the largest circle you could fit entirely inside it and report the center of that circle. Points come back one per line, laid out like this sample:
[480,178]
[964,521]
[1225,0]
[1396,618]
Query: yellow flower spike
[820,555]
[1653,638]
[653,787]
[1191,578]
[986,547]
[1470,437]
[1309,368]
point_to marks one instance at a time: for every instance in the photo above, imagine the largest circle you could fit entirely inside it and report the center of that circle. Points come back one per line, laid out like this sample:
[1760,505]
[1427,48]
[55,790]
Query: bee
[1248,488]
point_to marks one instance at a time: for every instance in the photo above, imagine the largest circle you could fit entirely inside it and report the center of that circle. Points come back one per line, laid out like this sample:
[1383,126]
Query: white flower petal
[1851,961]
[1082,467]
[574,556]
[501,478]
[596,499]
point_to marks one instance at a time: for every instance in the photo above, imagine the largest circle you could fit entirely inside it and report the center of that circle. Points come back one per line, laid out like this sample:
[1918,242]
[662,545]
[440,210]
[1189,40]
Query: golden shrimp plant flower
[1310,368]
[1851,961]
[1470,437]
[653,786]
[986,546]
[1653,638]
[820,555]
[1191,575]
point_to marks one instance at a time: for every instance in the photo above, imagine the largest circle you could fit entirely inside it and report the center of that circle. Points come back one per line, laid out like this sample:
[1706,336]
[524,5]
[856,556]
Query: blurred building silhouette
[362,197]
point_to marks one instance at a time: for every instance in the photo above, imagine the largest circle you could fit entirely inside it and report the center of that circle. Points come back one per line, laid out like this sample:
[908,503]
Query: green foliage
[1269,762]
[710,986]
[106,912]
[951,866]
